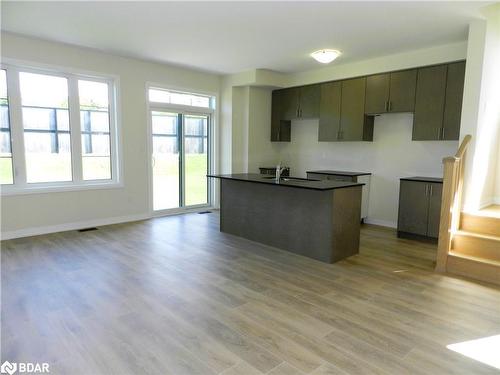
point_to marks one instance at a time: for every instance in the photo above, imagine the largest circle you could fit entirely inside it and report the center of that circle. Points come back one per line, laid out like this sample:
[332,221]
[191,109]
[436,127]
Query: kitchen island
[317,219]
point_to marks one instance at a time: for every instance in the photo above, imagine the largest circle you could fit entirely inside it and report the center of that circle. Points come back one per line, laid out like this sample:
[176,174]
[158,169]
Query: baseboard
[382,223]
[71,226]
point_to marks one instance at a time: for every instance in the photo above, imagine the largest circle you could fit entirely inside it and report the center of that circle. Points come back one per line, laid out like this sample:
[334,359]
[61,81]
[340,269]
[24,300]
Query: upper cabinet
[354,125]
[438,102]
[329,111]
[453,100]
[391,92]
[309,101]
[342,116]
[300,102]
[346,108]
[280,126]
[293,103]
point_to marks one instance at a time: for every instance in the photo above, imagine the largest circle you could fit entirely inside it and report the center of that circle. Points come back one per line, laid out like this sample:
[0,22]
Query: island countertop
[294,182]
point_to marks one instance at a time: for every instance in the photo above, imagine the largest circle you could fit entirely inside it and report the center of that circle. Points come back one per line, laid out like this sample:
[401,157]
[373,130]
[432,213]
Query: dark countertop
[423,179]
[296,182]
[340,173]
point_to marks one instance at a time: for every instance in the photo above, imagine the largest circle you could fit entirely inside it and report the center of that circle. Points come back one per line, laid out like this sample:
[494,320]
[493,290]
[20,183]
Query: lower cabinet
[419,207]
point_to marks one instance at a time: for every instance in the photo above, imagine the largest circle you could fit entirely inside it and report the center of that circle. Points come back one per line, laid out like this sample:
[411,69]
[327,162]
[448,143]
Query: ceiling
[230,37]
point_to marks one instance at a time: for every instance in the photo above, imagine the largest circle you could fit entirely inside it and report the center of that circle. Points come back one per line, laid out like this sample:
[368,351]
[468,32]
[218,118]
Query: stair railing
[451,202]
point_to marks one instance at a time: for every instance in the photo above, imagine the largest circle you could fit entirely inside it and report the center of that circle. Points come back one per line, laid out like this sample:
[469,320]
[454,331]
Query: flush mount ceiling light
[325,56]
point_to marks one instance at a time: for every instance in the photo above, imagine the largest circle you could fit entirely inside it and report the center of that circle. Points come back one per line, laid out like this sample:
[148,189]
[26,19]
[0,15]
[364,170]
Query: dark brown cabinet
[354,124]
[346,109]
[377,93]
[429,103]
[280,127]
[293,103]
[329,111]
[391,92]
[402,91]
[453,101]
[419,208]
[309,101]
[438,102]
[342,116]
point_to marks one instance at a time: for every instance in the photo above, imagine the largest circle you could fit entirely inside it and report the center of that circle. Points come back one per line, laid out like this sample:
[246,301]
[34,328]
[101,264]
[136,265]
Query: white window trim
[214,135]
[21,186]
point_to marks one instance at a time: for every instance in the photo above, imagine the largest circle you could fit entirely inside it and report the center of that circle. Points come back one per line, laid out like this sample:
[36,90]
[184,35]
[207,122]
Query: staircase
[475,246]
[469,243]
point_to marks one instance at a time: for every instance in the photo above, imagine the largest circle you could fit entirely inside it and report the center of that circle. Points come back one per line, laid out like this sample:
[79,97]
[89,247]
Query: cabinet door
[429,103]
[280,128]
[413,207]
[453,102]
[402,91]
[309,101]
[289,103]
[337,177]
[377,93]
[435,193]
[329,111]
[352,113]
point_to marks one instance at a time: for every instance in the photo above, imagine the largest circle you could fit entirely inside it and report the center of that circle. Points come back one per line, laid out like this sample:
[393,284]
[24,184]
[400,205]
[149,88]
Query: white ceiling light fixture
[325,56]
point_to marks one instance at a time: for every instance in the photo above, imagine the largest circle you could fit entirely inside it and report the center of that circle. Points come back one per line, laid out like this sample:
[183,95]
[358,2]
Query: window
[6,175]
[62,130]
[173,97]
[45,113]
[94,122]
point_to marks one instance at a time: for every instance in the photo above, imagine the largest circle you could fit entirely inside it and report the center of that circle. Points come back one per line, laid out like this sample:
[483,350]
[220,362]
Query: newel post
[448,202]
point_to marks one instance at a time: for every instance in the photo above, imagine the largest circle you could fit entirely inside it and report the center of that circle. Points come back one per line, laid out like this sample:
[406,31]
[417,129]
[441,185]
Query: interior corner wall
[481,111]
[261,151]
[37,213]
[239,129]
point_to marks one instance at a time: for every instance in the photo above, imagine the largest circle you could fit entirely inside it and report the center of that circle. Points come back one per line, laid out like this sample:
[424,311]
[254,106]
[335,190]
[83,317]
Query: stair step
[476,245]
[474,267]
[480,223]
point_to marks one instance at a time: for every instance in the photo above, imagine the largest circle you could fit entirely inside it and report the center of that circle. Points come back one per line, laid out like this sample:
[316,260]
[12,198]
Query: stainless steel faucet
[279,171]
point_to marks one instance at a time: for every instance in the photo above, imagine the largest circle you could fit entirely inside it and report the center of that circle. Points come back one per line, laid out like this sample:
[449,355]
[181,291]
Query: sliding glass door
[180,159]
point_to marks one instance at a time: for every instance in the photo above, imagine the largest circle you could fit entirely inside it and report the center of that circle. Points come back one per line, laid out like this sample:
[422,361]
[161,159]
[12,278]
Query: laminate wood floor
[175,296]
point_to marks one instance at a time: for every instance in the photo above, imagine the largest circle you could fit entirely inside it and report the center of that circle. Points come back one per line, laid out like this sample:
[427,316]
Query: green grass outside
[166,177]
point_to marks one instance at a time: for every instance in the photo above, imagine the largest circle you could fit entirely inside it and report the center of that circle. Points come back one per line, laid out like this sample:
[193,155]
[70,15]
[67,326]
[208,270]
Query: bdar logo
[8,368]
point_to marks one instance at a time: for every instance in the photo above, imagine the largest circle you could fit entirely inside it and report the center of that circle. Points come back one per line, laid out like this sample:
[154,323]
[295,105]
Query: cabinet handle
[426,190]
[430,192]
[439,134]
[442,133]
[390,106]
[386,107]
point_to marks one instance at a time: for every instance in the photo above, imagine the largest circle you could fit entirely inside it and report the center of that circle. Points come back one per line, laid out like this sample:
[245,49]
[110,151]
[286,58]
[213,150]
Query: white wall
[481,110]
[24,213]
[390,156]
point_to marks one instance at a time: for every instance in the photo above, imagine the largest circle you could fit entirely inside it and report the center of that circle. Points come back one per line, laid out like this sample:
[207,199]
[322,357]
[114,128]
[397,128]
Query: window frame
[212,134]
[20,185]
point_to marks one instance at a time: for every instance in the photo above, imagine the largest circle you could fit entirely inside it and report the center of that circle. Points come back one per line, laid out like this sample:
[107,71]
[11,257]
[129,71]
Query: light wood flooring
[175,296]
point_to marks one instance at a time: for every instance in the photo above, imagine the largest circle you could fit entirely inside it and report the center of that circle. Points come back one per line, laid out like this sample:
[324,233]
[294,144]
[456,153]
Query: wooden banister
[451,202]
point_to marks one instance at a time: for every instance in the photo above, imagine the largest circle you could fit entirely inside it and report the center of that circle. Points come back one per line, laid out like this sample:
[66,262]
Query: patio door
[180,160]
